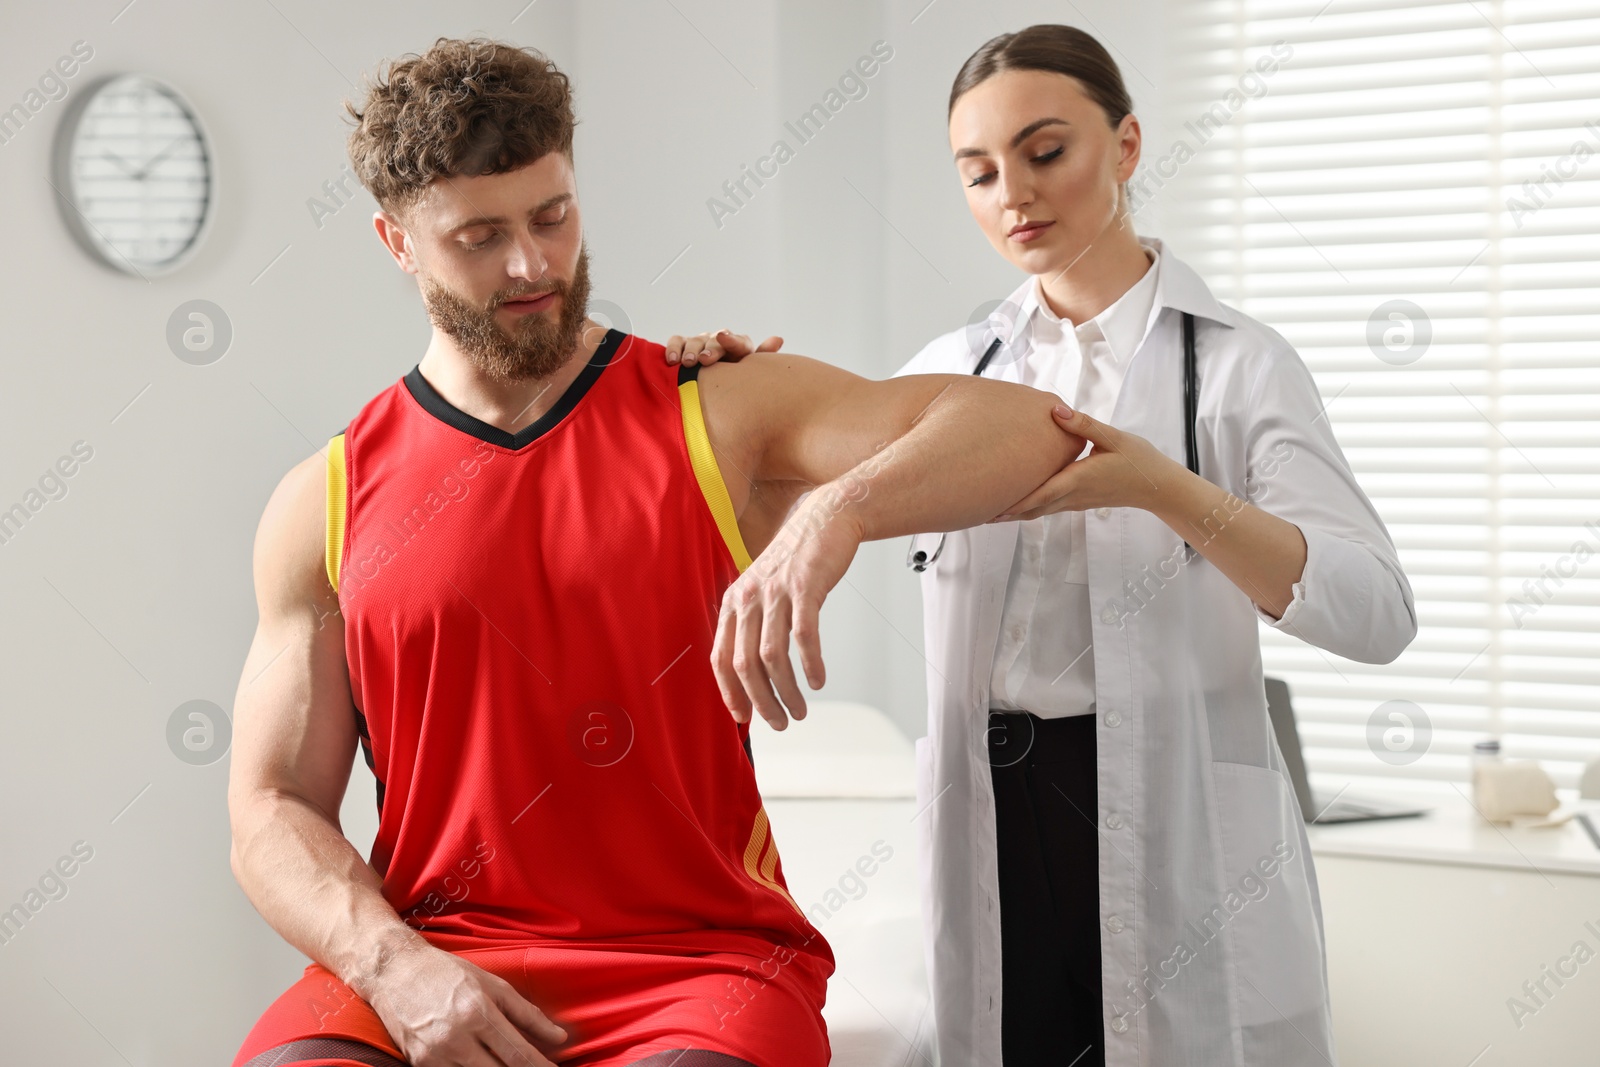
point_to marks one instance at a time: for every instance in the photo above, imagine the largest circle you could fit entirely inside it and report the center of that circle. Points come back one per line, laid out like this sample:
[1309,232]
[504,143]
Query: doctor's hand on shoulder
[1119,470]
[714,345]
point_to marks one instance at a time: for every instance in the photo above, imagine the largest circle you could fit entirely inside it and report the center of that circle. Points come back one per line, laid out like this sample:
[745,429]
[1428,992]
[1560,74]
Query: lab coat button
[1114,924]
[1104,513]
[1113,821]
[1108,614]
[1113,719]
[1119,1023]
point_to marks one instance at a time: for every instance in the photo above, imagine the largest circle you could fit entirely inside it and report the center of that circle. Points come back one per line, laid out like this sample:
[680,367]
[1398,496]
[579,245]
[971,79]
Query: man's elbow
[250,809]
[240,819]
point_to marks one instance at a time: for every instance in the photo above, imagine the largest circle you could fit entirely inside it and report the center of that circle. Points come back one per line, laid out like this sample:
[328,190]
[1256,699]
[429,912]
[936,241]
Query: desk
[1434,923]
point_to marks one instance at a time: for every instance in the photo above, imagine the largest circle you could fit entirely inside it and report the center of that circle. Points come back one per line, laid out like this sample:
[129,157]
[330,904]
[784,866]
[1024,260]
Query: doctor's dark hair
[1054,48]
[463,108]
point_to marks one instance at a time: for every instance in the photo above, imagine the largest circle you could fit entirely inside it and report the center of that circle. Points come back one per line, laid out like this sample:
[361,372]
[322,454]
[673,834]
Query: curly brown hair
[463,108]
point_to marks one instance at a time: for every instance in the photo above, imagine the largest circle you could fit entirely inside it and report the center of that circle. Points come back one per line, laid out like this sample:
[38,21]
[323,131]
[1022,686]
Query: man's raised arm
[914,454]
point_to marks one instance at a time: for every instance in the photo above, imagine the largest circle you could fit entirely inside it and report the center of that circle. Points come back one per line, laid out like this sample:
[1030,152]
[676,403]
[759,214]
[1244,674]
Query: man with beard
[502,580]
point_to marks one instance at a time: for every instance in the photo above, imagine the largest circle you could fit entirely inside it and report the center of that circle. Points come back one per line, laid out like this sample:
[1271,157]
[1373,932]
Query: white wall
[132,594]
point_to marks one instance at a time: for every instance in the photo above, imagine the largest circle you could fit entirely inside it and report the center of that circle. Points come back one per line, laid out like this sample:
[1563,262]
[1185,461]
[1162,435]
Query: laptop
[1317,807]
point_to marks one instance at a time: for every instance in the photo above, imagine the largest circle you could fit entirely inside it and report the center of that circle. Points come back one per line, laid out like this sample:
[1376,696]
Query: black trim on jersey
[749,755]
[449,414]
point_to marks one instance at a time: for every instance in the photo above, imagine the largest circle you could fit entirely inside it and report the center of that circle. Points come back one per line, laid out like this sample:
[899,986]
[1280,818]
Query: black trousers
[1046,820]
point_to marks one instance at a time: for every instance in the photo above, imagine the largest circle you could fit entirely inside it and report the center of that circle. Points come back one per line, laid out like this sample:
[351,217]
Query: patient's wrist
[381,958]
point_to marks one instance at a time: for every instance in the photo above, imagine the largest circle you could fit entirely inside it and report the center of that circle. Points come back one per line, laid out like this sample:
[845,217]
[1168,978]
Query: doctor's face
[1041,166]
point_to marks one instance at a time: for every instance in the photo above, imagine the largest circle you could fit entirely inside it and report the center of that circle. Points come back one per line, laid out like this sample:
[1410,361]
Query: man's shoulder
[759,409]
[764,381]
[290,541]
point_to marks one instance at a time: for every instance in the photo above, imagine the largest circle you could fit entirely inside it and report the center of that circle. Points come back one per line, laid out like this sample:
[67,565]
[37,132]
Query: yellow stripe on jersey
[769,866]
[334,538]
[758,838]
[707,473]
[761,839]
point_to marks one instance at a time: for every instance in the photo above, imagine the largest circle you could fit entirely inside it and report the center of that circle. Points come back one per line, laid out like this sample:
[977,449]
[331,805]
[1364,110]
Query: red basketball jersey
[528,621]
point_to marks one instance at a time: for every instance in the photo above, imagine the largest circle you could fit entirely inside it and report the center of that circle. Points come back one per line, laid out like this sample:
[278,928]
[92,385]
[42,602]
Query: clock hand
[119,161]
[152,160]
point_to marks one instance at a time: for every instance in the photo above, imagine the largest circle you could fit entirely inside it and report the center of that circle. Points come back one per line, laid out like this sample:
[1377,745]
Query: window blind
[1411,196]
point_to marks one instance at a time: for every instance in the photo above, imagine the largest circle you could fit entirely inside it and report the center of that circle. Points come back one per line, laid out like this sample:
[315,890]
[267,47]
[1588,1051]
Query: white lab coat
[1209,901]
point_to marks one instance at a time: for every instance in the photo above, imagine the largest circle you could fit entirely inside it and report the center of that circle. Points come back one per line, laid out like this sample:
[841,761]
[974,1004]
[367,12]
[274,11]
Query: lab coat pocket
[1267,899]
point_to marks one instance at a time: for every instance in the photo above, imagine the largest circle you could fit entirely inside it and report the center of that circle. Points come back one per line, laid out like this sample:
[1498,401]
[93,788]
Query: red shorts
[618,1002]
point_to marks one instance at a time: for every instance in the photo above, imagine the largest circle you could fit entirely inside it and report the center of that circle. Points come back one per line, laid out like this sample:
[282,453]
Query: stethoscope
[919,560]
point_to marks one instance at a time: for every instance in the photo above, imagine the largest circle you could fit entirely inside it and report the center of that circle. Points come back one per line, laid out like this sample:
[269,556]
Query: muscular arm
[918,453]
[915,454]
[294,742]
[293,745]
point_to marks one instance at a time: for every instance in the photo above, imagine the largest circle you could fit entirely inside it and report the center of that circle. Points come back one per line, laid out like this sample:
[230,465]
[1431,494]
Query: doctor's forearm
[1260,553]
[976,448]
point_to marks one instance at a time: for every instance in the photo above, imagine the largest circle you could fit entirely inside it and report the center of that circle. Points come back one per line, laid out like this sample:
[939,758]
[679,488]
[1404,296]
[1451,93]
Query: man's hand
[711,346]
[780,594]
[444,1011]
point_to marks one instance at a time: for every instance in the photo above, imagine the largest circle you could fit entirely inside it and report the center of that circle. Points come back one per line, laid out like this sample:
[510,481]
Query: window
[1410,193]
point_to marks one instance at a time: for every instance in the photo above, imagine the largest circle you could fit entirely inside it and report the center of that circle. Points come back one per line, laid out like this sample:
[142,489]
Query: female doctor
[1115,869]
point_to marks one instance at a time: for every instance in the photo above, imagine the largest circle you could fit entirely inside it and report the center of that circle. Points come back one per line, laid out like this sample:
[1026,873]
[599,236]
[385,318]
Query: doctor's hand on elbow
[714,345]
[778,596]
[1119,470]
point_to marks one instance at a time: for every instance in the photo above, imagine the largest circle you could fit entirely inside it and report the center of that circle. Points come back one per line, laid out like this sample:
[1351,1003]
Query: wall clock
[133,174]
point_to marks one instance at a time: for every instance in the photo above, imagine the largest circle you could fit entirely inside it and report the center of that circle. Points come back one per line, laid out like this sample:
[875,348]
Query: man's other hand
[444,1011]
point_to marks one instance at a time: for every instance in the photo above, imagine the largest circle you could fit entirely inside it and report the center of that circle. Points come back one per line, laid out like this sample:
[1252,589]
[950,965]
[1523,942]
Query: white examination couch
[840,789]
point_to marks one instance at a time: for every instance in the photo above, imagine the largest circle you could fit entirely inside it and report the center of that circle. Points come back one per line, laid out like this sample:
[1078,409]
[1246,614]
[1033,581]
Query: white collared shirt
[1042,662]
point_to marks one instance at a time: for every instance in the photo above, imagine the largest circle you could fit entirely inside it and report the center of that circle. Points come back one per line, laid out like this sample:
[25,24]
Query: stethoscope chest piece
[918,560]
